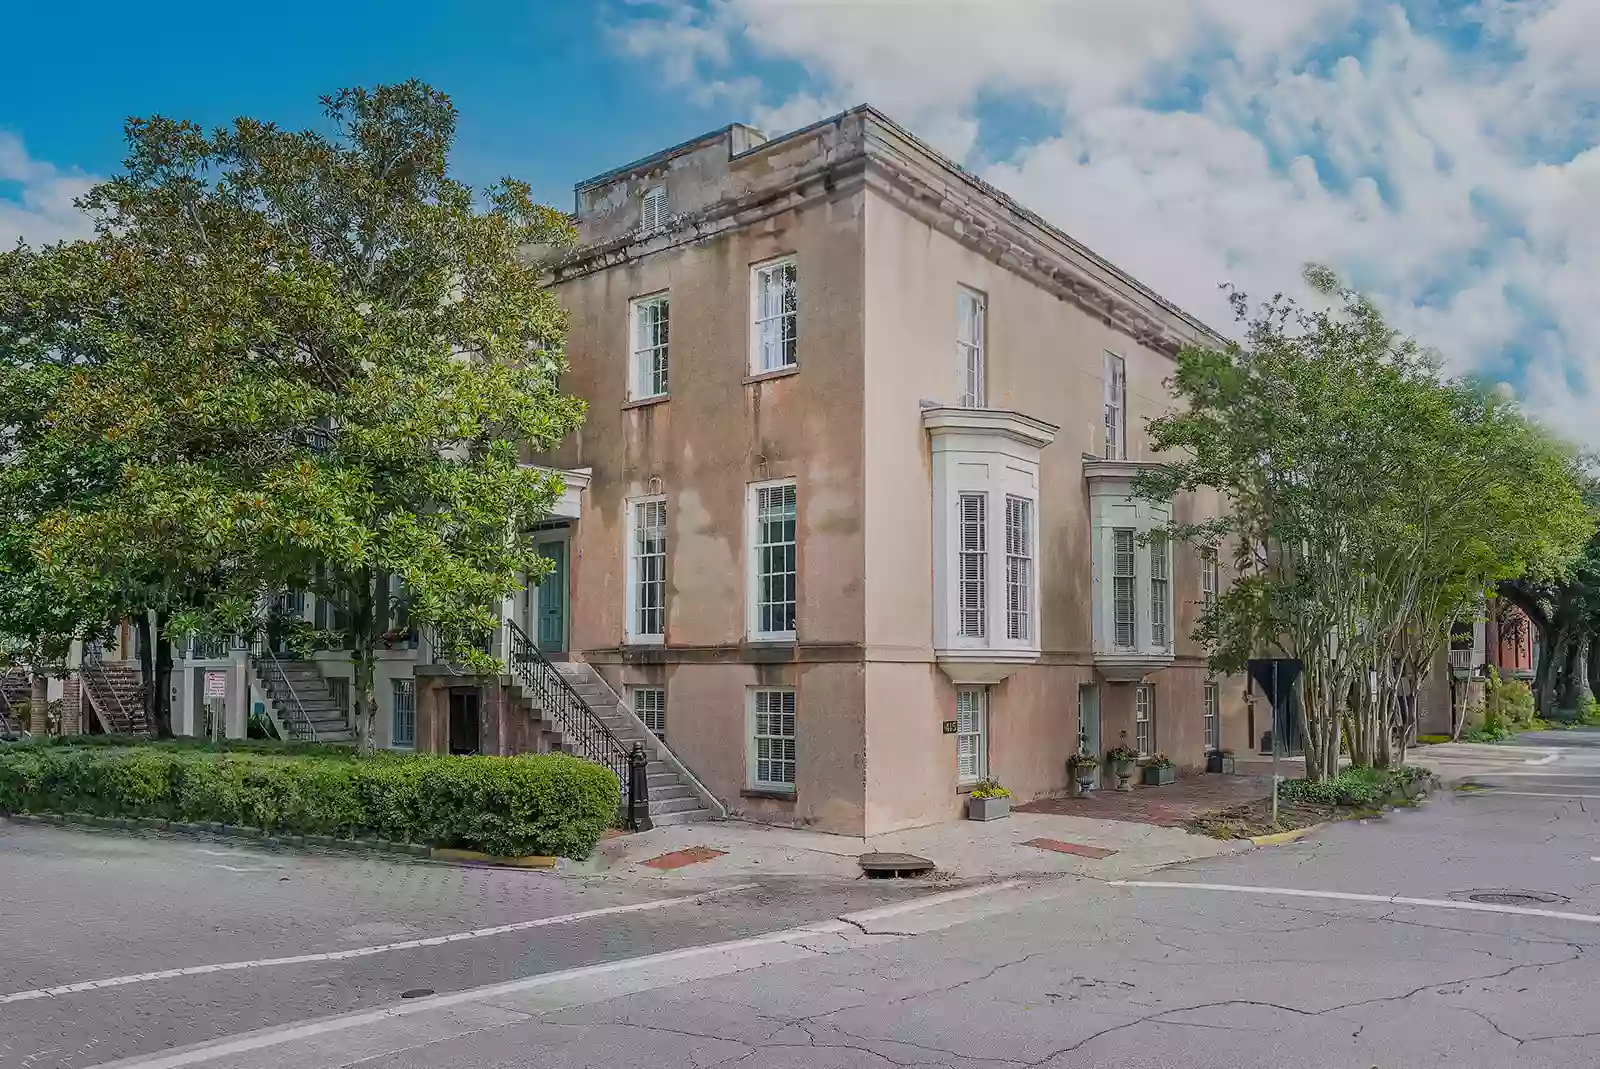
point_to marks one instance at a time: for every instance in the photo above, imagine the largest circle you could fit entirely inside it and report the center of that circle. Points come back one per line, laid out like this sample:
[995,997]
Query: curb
[473,857]
[256,835]
[1278,838]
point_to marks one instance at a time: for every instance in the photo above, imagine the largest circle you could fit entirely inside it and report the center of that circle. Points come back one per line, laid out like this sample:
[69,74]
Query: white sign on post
[216,684]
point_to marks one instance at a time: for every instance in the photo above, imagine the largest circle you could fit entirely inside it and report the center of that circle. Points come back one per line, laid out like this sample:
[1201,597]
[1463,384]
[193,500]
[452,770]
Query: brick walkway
[1171,806]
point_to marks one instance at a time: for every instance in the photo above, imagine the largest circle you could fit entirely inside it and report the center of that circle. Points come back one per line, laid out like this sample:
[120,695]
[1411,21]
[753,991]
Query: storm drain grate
[890,866]
[1512,898]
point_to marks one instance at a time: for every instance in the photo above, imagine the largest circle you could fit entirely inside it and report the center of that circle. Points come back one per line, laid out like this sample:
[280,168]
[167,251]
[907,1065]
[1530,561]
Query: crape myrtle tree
[299,360]
[1369,503]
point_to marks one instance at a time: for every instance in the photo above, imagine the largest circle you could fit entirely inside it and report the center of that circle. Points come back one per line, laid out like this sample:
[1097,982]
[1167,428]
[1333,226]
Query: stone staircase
[301,700]
[16,689]
[673,797]
[115,690]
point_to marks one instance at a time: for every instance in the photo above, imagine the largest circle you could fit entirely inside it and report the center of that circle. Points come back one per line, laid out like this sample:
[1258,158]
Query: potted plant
[1220,761]
[1159,770]
[988,801]
[1122,760]
[1082,767]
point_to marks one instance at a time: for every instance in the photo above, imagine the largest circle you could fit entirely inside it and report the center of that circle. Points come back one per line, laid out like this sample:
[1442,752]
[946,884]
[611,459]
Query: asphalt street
[1463,933]
[79,905]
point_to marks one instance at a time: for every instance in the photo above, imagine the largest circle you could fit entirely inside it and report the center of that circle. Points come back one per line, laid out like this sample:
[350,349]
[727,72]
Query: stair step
[661,779]
[665,792]
[693,816]
[674,805]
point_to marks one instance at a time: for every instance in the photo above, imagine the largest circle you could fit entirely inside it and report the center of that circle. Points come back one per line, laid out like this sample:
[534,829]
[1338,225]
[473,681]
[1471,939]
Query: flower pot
[1159,777]
[1220,762]
[1124,771]
[1085,780]
[987,808]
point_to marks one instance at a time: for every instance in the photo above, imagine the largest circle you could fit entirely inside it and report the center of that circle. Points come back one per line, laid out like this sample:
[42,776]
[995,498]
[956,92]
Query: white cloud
[1459,185]
[36,198]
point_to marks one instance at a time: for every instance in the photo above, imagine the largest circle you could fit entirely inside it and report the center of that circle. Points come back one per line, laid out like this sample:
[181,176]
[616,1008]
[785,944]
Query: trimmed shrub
[506,806]
[1353,788]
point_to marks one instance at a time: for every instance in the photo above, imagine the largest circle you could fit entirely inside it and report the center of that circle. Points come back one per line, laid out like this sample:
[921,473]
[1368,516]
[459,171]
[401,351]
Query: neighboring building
[1502,638]
[858,530]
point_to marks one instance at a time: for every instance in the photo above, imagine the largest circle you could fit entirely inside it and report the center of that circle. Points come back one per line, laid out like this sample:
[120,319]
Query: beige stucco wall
[1045,358]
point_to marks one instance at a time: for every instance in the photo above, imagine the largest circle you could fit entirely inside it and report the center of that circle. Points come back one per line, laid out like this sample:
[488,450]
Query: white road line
[360,952]
[1545,760]
[1350,896]
[1490,792]
[580,985]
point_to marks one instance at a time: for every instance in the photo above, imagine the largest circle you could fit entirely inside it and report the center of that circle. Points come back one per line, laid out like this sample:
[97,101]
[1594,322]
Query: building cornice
[864,146]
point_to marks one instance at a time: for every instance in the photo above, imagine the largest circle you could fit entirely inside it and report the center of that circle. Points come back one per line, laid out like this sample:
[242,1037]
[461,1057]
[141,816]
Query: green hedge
[1357,788]
[506,806]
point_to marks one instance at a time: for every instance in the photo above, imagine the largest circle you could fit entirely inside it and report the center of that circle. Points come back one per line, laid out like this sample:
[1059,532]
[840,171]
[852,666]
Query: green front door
[551,604]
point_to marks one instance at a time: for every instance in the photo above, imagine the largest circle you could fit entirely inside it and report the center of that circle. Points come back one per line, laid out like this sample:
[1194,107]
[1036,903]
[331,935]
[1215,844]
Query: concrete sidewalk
[960,850]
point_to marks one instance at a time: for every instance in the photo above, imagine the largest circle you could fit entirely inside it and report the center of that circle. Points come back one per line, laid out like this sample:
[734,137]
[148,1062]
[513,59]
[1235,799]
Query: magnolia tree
[288,360]
[1369,504]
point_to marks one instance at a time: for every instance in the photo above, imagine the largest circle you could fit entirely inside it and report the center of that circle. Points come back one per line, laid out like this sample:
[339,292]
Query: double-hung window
[972,592]
[1144,719]
[650,706]
[647,375]
[403,715]
[775,330]
[1019,568]
[774,569]
[1213,720]
[970,311]
[772,740]
[1160,591]
[972,734]
[1209,577]
[1116,408]
[647,571]
[1124,608]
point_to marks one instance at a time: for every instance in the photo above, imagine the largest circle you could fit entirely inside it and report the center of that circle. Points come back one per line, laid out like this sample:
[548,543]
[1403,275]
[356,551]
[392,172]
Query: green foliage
[1367,502]
[1121,755]
[989,788]
[506,806]
[306,359]
[1352,788]
[1160,760]
[1508,701]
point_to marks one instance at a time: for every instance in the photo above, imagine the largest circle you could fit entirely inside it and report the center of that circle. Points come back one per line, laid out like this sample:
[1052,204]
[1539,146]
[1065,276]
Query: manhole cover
[888,866]
[1505,897]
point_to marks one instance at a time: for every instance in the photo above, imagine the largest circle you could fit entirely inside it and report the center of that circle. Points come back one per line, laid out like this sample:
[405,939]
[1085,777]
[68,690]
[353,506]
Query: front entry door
[551,603]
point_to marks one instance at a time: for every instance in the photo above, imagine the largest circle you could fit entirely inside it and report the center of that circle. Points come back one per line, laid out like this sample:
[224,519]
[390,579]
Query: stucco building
[858,528]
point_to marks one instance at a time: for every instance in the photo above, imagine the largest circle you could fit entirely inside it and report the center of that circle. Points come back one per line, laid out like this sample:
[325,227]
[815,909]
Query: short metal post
[638,789]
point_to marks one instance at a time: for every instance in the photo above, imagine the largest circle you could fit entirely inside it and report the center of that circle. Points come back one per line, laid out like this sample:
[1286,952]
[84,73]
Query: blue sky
[541,94]
[1440,153]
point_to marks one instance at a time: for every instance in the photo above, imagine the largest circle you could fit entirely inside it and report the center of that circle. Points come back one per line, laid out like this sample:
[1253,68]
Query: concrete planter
[1159,777]
[1083,783]
[1220,762]
[988,808]
[1124,773]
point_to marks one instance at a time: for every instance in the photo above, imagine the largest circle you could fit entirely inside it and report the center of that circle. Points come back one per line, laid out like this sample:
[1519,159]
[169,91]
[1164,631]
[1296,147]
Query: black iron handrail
[94,664]
[276,679]
[587,735]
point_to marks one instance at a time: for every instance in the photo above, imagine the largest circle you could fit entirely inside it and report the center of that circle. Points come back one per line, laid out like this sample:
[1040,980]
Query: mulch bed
[1255,818]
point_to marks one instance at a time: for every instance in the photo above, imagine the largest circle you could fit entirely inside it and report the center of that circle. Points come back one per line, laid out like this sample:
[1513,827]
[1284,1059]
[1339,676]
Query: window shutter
[1123,608]
[973,563]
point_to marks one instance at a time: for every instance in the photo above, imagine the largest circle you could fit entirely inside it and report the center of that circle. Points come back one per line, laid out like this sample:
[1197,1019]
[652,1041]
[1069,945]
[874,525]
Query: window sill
[770,795]
[782,372]
[652,641]
[785,638]
[646,402]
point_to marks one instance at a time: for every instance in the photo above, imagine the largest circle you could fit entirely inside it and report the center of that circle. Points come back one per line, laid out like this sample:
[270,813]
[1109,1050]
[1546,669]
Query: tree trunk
[363,652]
[1552,648]
[161,688]
[147,667]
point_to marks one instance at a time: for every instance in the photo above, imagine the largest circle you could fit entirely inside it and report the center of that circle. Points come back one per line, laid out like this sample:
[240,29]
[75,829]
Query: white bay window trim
[646,554]
[1132,564]
[1144,720]
[986,512]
